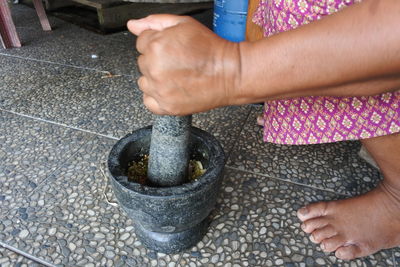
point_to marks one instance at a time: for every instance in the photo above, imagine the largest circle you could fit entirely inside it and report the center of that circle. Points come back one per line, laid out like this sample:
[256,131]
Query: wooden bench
[8,33]
[109,15]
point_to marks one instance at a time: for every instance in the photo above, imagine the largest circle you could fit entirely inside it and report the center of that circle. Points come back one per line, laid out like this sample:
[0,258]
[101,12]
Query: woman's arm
[188,69]
[353,52]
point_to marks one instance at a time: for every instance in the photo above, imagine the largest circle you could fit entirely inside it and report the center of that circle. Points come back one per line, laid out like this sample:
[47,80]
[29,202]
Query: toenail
[303,226]
[303,211]
[323,246]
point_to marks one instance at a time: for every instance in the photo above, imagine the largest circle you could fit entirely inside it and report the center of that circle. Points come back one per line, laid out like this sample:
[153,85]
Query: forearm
[363,88]
[353,52]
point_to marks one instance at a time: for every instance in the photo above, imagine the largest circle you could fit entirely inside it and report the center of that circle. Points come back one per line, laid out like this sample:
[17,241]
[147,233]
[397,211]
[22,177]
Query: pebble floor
[60,114]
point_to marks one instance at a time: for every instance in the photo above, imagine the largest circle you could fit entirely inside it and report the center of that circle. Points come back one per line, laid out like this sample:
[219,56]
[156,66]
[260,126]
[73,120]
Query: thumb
[153,22]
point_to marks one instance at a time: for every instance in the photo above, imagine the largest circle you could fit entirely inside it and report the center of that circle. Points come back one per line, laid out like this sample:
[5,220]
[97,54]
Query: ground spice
[137,170]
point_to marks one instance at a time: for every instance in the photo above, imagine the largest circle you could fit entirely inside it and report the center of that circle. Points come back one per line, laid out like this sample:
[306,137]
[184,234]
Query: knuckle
[154,72]
[151,17]
[159,112]
[147,101]
[141,63]
[163,92]
[163,108]
[140,44]
[171,109]
[155,46]
[187,19]
[153,105]
[150,108]
[140,81]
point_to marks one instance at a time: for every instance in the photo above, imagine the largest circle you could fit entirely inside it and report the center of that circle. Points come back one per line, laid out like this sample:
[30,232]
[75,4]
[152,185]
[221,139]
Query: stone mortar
[168,219]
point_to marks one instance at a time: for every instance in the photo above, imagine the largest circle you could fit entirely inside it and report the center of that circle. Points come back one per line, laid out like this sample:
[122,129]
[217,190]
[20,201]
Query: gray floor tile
[255,224]
[72,222]
[9,258]
[335,166]
[10,89]
[31,76]
[224,123]
[30,151]
[70,44]
[75,97]
[396,256]
[128,114]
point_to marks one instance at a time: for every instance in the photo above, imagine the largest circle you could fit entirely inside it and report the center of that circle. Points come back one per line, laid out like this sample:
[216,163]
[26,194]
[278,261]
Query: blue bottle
[230,19]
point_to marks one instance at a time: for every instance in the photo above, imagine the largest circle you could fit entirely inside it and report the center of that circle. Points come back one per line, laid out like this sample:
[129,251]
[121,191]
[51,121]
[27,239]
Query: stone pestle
[169,151]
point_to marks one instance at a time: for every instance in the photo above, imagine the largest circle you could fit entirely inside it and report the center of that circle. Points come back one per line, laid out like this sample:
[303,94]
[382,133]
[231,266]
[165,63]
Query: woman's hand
[186,68]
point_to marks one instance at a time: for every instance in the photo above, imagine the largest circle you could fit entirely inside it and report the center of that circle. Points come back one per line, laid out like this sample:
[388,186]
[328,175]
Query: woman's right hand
[186,68]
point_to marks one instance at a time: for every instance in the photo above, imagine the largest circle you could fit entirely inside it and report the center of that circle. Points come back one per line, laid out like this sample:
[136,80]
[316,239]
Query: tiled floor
[333,167]
[10,258]
[59,117]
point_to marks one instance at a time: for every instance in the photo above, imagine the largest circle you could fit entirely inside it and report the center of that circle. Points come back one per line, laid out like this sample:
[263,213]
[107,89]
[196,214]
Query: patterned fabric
[317,119]
[311,120]
[276,16]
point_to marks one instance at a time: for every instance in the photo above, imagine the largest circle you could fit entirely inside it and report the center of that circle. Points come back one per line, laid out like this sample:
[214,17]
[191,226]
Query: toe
[348,252]
[333,243]
[321,234]
[260,120]
[311,225]
[312,211]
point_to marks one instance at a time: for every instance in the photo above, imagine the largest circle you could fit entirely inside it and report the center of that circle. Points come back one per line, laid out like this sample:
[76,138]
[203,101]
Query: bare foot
[355,227]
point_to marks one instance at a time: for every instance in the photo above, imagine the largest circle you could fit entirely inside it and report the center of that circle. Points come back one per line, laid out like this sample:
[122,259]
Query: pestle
[169,150]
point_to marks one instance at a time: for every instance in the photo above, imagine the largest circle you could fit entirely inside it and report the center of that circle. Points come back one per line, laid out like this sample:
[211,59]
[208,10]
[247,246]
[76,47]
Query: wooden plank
[8,32]
[54,4]
[44,21]
[117,16]
[50,5]
[96,3]
[253,31]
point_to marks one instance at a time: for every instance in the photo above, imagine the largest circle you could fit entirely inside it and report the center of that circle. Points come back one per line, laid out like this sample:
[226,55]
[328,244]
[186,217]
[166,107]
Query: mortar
[168,219]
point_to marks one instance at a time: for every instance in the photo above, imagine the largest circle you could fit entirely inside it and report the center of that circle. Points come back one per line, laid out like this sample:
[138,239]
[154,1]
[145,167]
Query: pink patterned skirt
[317,119]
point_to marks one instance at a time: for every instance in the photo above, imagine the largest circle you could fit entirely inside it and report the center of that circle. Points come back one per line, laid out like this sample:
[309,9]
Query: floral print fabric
[317,119]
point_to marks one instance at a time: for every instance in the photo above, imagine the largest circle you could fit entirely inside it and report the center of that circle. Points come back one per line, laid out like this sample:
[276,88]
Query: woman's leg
[365,224]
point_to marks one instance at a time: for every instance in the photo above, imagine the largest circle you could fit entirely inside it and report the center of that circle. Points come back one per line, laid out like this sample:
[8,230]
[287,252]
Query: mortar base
[171,242]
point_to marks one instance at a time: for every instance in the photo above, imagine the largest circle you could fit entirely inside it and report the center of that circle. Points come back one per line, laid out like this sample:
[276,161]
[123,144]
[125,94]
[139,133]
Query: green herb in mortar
[137,170]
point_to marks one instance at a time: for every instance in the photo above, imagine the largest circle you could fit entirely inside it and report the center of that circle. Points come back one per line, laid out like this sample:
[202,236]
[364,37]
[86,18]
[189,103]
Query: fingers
[142,83]
[152,105]
[141,61]
[143,41]
[149,101]
[153,22]
[148,28]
